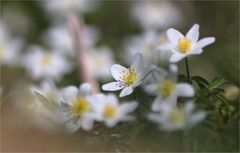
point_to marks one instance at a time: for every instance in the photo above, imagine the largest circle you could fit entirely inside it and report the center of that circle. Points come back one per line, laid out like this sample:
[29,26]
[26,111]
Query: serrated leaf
[216,82]
[200,81]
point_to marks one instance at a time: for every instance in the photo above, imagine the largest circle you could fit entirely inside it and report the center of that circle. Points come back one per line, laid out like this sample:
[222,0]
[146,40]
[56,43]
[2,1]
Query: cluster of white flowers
[168,112]
[54,59]
[79,108]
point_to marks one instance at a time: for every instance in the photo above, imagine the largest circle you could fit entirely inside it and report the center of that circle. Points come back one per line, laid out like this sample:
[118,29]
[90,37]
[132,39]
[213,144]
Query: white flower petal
[87,123]
[185,90]
[126,91]
[157,118]
[111,99]
[69,94]
[112,86]
[129,107]
[204,42]
[168,46]
[176,57]
[173,69]
[189,107]
[111,123]
[151,88]
[156,105]
[174,35]
[137,62]
[196,51]
[193,33]
[197,117]
[116,69]
[85,89]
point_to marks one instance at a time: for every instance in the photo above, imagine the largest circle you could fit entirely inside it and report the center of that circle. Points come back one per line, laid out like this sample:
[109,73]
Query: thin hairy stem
[187,70]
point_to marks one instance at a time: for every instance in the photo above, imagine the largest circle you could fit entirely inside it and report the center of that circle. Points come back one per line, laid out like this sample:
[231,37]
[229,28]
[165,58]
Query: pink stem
[83,58]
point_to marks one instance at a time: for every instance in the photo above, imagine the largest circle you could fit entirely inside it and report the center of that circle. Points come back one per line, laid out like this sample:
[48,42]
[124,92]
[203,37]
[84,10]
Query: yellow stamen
[45,61]
[110,111]
[177,115]
[184,45]
[129,78]
[166,88]
[79,107]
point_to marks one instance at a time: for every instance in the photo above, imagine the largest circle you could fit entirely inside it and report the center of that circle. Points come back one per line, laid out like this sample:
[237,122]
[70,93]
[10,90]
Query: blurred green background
[216,18]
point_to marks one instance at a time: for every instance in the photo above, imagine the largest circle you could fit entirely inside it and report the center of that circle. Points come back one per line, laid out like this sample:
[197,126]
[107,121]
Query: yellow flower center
[177,115]
[2,50]
[166,88]
[110,111]
[184,45]
[129,78]
[79,107]
[45,61]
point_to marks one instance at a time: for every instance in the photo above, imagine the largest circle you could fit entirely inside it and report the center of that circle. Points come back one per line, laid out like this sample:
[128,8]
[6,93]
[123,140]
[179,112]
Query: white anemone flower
[166,87]
[172,117]
[47,107]
[77,108]
[183,46]
[100,60]
[146,44]
[47,65]
[9,47]
[61,38]
[109,110]
[127,79]
[157,14]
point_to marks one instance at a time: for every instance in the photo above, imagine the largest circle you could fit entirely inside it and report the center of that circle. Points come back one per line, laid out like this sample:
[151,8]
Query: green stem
[187,69]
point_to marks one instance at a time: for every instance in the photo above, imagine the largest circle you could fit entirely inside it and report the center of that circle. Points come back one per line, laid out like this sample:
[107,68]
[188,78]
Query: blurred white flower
[47,65]
[147,44]
[48,90]
[77,108]
[9,47]
[100,60]
[46,108]
[109,110]
[127,79]
[183,46]
[17,19]
[166,88]
[172,117]
[231,92]
[60,38]
[156,14]
[65,7]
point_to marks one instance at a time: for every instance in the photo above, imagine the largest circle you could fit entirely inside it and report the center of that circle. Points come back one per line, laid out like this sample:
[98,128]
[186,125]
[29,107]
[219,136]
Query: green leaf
[200,81]
[216,82]
[182,78]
